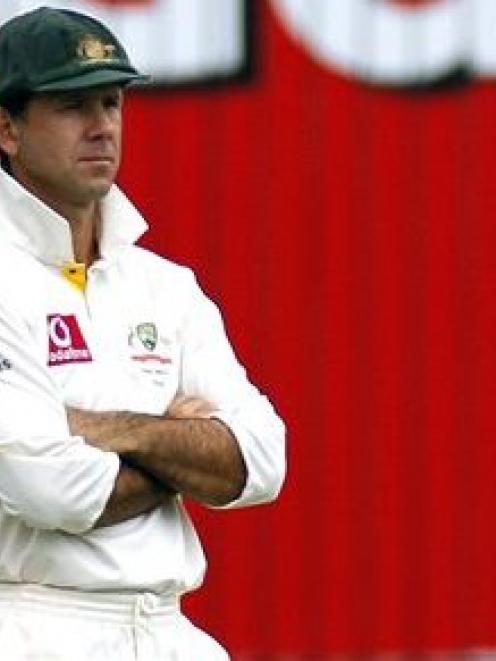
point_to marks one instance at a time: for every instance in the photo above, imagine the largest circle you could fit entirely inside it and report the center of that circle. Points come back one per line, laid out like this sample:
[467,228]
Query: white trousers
[50,624]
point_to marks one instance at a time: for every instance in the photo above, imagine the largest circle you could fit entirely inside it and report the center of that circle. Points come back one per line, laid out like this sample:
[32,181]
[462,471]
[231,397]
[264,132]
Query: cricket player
[119,391]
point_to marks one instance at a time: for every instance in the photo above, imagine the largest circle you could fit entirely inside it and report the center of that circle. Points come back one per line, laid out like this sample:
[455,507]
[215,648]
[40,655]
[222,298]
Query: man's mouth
[97,158]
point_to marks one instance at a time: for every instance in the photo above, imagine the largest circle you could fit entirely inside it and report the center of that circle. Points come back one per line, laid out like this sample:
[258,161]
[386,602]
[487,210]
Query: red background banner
[349,234]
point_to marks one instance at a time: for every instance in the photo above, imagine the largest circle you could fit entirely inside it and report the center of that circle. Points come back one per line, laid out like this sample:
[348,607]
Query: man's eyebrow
[73,96]
[64,97]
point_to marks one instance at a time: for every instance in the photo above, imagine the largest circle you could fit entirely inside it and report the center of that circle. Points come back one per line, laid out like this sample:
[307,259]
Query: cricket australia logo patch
[147,335]
[147,345]
[66,343]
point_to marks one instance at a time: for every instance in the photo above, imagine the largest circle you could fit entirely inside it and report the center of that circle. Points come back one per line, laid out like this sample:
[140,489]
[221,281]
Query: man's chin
[98,173]
[97,187]
[102,184]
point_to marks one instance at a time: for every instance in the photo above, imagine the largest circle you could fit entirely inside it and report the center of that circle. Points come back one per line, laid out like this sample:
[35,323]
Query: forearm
[134,493]
[198,457]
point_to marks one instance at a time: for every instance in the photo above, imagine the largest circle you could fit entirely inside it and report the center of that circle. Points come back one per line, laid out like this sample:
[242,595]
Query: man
[119,392]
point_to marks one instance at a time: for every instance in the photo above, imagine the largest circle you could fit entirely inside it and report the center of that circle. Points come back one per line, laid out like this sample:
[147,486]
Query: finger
[190,407]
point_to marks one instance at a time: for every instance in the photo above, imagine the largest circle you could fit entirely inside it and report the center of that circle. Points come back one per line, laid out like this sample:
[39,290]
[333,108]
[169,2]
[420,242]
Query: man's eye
[74,104]
[114,102]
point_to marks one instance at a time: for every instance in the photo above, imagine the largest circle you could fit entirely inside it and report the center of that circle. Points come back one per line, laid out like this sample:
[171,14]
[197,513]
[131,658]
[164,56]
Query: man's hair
[16,107]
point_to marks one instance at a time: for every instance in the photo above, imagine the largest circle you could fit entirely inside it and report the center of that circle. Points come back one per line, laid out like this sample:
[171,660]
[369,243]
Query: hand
[183,407]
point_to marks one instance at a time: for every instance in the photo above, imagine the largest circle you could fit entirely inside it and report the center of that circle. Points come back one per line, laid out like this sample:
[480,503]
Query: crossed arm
[185,451]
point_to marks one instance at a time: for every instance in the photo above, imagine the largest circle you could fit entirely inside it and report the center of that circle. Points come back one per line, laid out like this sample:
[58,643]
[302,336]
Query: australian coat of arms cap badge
[93,49]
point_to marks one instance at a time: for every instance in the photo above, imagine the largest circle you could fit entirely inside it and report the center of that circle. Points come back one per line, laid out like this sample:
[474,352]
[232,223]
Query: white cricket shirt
[141,333]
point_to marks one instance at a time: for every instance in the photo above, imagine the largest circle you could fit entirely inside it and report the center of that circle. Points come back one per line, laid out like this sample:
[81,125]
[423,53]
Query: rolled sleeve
[48,478]
[264,456]
[212,371]
[66,492]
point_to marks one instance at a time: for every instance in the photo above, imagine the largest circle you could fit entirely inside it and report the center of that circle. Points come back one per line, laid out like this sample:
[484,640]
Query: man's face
[66,147]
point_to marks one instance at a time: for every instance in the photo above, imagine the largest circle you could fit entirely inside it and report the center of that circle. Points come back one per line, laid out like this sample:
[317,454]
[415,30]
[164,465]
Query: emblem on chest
[147,346]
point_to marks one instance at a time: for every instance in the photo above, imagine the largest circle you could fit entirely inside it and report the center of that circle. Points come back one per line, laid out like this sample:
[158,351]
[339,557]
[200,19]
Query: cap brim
[90,79]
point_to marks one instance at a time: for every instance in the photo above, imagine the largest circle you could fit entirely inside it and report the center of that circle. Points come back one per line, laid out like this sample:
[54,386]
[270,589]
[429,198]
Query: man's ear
[9,133]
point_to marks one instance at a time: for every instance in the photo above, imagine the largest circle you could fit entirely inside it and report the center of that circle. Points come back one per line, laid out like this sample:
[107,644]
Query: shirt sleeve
[211,370]
[48,478]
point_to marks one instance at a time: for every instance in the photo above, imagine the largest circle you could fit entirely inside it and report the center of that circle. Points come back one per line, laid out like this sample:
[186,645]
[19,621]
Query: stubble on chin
[95,188]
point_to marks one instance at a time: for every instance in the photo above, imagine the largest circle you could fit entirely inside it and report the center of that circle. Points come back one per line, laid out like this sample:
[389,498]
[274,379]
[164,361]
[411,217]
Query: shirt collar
[33,226]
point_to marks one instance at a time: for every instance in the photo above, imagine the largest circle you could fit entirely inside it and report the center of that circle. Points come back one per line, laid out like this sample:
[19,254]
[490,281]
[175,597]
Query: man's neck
[85,233]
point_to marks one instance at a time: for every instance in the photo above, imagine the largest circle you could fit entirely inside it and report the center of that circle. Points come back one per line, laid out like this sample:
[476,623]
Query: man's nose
[101,122]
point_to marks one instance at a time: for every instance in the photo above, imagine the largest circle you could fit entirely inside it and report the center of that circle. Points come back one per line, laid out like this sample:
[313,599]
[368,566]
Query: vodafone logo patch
[66,343]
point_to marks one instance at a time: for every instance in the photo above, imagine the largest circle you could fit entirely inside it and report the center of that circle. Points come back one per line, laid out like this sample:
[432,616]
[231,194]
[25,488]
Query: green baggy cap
[56,50]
